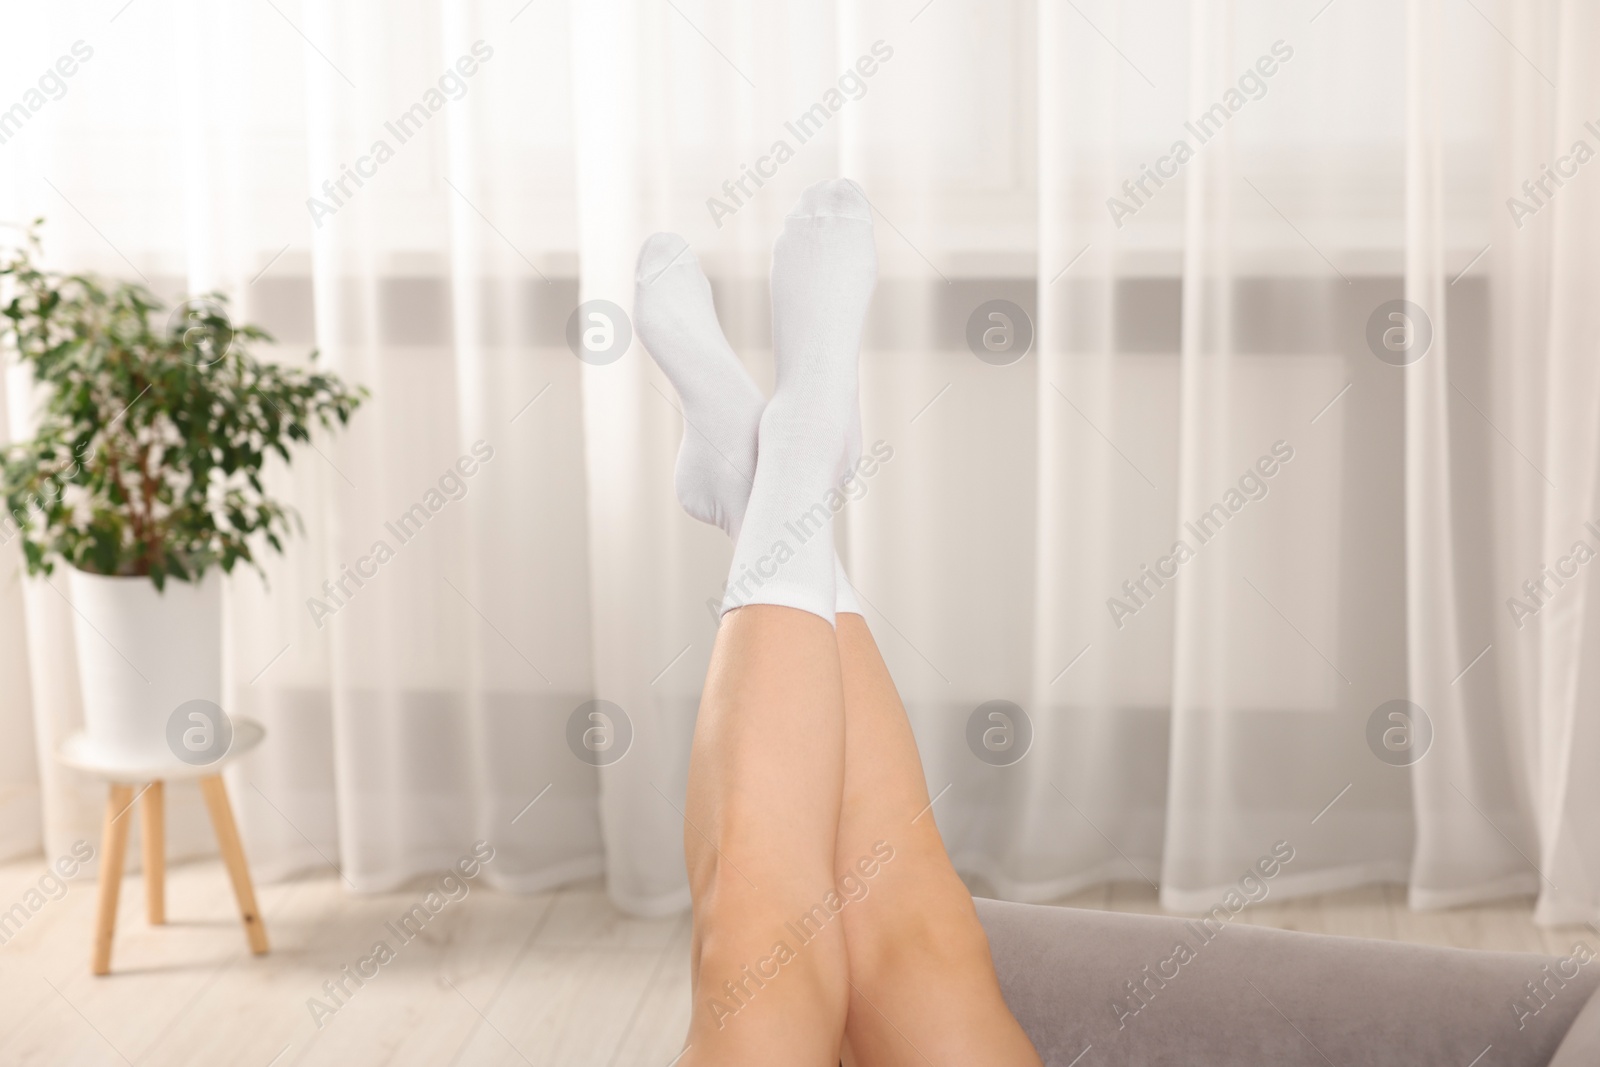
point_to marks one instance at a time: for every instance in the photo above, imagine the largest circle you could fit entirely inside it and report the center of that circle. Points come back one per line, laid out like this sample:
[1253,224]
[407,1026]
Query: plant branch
[168,489]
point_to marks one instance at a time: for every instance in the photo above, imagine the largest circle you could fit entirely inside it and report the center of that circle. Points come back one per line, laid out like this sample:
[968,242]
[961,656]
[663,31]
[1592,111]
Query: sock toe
[659,253]
[837,198]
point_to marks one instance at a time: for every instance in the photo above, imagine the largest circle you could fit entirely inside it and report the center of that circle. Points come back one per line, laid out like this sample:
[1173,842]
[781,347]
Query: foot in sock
[823,270]
[722,406]
[676,321]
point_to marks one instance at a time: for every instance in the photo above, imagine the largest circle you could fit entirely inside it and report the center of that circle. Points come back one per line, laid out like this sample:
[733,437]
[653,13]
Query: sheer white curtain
[1357,530]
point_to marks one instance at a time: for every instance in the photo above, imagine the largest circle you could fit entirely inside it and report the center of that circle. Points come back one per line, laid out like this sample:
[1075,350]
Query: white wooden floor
[555,979]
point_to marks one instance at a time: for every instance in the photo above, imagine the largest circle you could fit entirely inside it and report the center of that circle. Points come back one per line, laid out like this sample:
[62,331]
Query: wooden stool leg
[113,851]
[153,828]
[216,795]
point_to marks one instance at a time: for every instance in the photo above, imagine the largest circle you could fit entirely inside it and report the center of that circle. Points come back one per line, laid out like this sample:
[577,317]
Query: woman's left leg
[922,984]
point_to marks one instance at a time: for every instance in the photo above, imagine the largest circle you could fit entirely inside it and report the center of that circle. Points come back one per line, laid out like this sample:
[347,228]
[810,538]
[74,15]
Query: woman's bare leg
[923,987]
[767,768]
[765,779]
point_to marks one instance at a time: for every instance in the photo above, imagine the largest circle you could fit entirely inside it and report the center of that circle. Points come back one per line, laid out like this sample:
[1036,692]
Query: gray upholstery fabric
[1582,1045]
[1237,995]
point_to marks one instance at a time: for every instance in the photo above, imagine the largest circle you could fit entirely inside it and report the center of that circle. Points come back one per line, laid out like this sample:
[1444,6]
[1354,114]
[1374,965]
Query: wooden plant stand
[113,854]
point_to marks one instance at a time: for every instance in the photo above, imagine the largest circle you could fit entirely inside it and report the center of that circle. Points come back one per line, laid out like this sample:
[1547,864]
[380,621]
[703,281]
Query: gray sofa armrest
[1581,1048]
[1147,990]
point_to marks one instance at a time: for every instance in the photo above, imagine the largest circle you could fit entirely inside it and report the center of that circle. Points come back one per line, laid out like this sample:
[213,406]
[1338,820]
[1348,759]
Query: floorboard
[559,978]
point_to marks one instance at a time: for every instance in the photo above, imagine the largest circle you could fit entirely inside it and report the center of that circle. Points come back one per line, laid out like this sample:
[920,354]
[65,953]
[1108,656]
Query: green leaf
[145,462]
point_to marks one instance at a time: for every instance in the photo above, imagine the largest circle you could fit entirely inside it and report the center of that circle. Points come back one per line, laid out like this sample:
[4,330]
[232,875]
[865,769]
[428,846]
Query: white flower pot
[143,655]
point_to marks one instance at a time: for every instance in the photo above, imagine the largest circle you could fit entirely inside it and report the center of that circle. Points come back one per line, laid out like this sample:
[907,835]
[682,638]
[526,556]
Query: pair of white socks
[808,437]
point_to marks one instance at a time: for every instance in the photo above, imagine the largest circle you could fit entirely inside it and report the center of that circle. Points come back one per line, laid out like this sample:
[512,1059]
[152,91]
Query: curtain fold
[1223,554]
[1564,795]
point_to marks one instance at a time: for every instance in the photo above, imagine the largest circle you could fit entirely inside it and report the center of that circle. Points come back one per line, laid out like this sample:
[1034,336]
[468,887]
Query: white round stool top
[80,752]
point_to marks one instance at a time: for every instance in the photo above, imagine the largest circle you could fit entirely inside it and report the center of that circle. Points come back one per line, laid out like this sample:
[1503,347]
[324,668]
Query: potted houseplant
[143,477]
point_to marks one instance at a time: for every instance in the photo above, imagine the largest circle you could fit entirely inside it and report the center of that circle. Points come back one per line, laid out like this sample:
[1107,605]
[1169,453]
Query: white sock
[677,323]
[823,270]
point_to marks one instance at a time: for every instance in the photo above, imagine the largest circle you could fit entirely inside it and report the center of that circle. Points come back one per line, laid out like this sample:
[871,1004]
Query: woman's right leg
[767,771]
[923,987]
[765,778]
